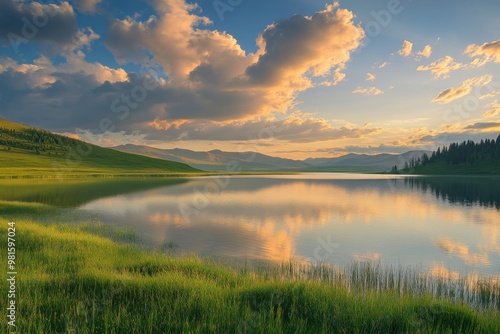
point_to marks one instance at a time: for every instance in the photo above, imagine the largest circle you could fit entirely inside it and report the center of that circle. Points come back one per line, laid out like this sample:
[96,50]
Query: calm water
[436,223]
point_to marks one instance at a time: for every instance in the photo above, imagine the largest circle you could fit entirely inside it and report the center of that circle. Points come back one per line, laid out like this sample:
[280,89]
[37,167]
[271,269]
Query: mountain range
[217,160]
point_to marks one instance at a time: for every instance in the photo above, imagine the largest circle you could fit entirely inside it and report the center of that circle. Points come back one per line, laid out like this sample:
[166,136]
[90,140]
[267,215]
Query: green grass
[31,152]
[75,279]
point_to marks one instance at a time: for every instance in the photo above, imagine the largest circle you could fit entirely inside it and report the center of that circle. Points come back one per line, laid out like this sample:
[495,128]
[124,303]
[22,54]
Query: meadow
[31,152]
[93,278]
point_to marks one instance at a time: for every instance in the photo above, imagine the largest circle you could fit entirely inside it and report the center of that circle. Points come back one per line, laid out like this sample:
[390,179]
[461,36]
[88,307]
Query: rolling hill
[27,151]
[217,160]
[379,162]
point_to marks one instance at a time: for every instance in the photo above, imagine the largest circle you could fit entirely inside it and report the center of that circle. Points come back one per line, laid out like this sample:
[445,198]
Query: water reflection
[76,192]
[461,190]
[278,218]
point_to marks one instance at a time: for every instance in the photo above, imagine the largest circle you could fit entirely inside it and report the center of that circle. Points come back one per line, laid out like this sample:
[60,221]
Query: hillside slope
[217,160]
[27,151]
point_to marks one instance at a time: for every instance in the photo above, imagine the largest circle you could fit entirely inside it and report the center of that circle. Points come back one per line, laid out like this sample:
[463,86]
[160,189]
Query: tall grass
[71,281]
[479,292]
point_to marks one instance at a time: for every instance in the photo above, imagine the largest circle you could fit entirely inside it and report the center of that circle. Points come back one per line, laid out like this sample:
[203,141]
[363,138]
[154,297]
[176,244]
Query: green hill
[27,151]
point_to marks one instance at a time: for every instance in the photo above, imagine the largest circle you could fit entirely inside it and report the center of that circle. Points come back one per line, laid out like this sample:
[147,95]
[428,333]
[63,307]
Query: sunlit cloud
[338,77]
[297,127]
[406,48]
[494,111]
[464,89]
[490,95]
[442,67]
[208,71]
[370,77]
[426,52]
[487,52]
[367,91]
[384,64]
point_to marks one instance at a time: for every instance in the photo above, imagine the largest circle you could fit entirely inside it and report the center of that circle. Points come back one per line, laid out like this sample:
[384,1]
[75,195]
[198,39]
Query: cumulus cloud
[426,52]
[370,77]
[86,5]
[212,90]
[384,64]
[487,52]
[48,23]
[442,67]
[367,91]
[290,48]
[207,67]
[464,89]
[494,111]
[406,48]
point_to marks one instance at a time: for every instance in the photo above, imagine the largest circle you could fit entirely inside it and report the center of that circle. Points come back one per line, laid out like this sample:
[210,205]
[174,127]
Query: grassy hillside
[26,151]
[70,281]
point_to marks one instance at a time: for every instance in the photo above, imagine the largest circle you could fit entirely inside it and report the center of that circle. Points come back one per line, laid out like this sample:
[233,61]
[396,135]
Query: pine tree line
[466,152]
[35,140]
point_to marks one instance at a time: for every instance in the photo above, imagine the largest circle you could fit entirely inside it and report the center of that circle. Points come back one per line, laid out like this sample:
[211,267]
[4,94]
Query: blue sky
[291,78]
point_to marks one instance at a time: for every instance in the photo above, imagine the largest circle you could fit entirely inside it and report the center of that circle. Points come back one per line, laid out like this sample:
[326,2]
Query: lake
[435,223]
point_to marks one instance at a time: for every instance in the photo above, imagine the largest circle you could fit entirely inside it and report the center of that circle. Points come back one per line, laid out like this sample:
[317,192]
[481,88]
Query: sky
[294,78]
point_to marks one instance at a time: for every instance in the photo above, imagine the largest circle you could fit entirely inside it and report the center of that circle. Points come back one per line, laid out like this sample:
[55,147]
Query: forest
[466,153]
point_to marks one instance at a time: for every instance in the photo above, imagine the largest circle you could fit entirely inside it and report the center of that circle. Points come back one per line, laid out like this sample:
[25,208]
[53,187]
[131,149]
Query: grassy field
[89,279]
[29,152]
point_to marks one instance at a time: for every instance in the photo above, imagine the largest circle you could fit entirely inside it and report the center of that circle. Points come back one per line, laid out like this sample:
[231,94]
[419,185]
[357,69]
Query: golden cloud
[464,89]
[367,91]
[441,67]
[406,48]
[210,67]
[487,52]
[494,111]
[426,52]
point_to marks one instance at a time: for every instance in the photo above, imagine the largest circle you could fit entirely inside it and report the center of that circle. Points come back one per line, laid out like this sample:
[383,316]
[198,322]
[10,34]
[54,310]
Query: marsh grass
[75,279]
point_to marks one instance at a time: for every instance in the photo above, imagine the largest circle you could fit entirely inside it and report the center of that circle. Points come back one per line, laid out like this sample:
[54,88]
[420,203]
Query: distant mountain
[378,161]
[217,160]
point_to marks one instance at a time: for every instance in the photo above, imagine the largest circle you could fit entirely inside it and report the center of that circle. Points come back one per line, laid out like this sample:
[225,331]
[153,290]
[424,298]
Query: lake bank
[74,280]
